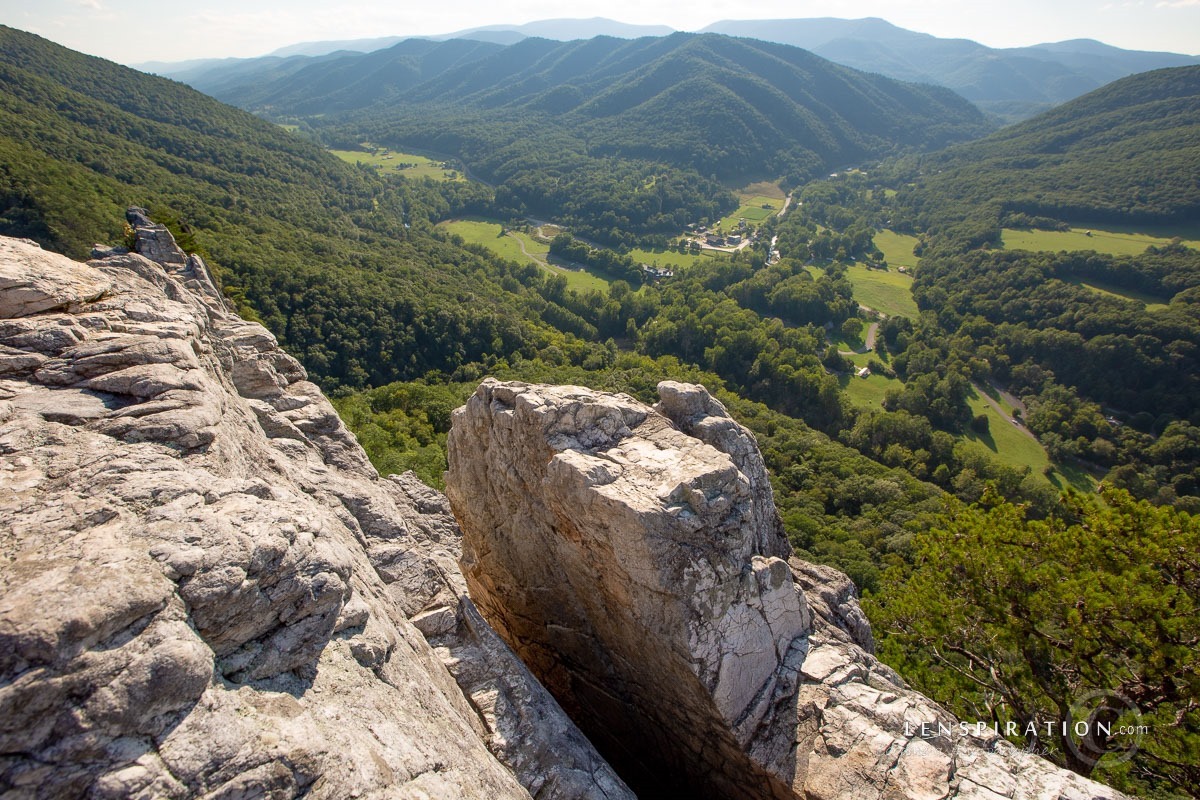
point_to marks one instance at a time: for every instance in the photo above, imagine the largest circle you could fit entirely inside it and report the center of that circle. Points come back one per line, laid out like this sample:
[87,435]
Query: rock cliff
[634,559]
[207,591]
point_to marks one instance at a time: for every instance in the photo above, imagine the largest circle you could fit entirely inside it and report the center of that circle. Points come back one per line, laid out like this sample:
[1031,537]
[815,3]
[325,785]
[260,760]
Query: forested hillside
[1129,152]
[338,263]
[1014,83]
[617,138]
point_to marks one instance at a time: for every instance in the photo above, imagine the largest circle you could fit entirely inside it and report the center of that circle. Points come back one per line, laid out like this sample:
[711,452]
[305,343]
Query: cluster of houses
[716,238]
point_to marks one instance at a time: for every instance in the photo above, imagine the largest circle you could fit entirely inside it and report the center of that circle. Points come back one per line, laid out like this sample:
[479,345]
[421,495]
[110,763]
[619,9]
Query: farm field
[671,259]
[897,249]
[410,165]
[752,210]
[521,247]
[1113,242]
[886,291]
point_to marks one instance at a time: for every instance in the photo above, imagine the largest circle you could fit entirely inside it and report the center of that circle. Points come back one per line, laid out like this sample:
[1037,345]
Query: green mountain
[1011,83]
[719,105]
[340,264]
[1129,152]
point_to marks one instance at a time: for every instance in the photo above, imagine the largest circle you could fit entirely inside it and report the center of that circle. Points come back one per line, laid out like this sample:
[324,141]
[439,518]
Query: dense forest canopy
[1127,152]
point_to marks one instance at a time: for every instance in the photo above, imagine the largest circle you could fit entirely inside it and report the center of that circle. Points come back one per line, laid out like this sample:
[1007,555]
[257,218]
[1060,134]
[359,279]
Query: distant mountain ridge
[1012,83]
[714,103]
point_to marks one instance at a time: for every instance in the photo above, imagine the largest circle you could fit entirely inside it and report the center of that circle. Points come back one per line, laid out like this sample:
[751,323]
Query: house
[734,238]
[656,272]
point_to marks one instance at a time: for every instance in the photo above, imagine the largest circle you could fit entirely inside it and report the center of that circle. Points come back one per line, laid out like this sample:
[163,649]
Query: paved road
[868,343]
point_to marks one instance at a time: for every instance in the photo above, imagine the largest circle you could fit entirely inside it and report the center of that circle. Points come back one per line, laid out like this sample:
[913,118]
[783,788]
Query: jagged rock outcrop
[620,551]
[205,588]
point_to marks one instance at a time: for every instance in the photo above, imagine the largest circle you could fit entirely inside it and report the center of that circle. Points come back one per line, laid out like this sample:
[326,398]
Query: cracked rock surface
[205,588]
[634,559]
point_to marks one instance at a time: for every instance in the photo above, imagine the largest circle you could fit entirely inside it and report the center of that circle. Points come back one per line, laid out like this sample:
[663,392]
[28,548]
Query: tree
[852,329]
[1066,629]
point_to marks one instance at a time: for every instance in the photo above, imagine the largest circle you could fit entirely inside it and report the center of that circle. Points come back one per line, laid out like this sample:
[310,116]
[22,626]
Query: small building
[863,372]
[657,272]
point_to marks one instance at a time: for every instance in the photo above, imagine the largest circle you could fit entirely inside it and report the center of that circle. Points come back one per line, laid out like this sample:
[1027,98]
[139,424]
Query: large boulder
[634,559]
[207,591]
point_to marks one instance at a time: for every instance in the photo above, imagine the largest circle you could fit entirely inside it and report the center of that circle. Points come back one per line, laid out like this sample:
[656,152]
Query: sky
[137,31]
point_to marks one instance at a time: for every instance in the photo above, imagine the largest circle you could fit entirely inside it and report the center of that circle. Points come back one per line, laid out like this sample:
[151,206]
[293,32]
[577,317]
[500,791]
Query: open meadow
[521,247]
[410,165]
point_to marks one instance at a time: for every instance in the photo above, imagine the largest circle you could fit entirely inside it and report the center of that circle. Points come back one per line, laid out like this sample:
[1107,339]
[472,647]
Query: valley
[973,327]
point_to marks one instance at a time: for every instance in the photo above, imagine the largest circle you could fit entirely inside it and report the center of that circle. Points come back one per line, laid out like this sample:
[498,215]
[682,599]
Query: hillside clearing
[1113,242]
[409,165]
[521,247]
[886,291]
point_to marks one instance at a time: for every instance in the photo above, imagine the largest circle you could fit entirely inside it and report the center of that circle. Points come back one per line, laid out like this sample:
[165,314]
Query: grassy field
[752,210]
[487,233]
[410,165]
[672,259]
[1113,242]
[867,392]
[897,249]
[1151,302]
[765,188]
[1011,445]
[889,292]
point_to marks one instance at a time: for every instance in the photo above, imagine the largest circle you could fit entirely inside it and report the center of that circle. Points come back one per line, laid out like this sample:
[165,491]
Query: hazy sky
[134,31]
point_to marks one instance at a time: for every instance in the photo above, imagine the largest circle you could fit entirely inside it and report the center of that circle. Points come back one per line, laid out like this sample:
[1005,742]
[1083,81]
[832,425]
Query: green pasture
[886,291]
[867,392]
[410,165]
[671,259]
[1151,302]
[897,249]
[487,233]
[1114,242]
[1011,444]
[752,210]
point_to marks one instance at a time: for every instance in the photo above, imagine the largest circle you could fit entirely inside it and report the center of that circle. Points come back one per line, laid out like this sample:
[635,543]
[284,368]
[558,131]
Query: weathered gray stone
[34,281]
[188,601]
[619,556]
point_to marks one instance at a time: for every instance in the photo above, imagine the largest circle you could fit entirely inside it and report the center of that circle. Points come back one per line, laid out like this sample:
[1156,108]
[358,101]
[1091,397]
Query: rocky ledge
[207,590]
[633,557]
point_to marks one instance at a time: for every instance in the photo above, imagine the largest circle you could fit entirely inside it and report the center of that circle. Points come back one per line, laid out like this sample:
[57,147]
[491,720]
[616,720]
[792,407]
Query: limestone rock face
[619,550]
[205,588]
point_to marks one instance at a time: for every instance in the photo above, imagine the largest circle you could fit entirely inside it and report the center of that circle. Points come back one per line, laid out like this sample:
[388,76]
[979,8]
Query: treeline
[611,263]
[832,221]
